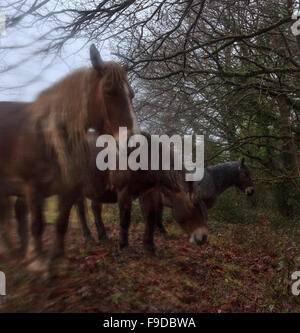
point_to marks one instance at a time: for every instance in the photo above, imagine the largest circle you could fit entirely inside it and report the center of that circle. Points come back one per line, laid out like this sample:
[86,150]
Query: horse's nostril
[202,241]
[199,237]
[249,190]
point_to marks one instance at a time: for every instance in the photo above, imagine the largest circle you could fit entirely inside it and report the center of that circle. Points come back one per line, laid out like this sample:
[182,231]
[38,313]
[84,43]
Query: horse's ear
[243,161]
[96,59]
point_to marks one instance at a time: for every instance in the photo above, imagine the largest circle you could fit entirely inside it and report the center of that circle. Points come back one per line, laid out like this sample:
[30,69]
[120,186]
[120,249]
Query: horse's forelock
[114,74]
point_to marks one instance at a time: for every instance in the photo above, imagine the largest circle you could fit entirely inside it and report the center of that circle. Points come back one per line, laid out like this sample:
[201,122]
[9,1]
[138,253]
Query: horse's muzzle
[199,236]
[249,190]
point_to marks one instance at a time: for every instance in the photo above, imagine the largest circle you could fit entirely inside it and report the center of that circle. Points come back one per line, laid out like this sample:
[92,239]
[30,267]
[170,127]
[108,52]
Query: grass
[244,268]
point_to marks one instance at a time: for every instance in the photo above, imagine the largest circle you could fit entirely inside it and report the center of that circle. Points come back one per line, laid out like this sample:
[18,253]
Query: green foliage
[236,208]
[167,216]
[136,213]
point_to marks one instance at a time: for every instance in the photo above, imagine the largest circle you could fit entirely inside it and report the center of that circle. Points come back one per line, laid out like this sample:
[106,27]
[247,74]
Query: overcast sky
[25,81]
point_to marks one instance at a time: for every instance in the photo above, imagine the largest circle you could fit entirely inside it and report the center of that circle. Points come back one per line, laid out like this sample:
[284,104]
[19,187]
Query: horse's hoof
[149,250]
[5,251]
[89,238]
[162,232]
[127,250]
[58,267]
[89,243]
[37,265]
[106,241]
[103,238]
[123,246]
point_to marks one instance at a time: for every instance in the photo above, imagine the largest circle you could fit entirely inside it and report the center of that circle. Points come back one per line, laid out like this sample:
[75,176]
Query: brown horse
[216,180]
[123,187]
[43,146]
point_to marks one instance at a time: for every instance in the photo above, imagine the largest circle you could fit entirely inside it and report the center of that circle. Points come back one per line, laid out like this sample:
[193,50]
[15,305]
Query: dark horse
[43,146]
[216,180]
[220,177]
[124,186]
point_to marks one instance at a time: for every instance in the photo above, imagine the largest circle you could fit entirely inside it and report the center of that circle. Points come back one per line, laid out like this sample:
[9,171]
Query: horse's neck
[224,176]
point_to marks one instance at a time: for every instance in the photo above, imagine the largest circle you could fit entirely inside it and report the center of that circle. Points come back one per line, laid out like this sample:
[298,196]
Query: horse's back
[205,189]
[104,185]
[17,141]
[16,109]
[13,116]
[13,119]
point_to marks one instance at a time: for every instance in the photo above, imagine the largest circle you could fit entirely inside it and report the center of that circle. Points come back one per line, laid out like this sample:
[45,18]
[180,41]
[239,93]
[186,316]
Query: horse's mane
[229,164]
[114,73]
[173,180]
[61,113]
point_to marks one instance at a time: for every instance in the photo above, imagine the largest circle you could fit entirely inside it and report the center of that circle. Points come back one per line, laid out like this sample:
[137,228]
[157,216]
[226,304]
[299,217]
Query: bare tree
[228,69]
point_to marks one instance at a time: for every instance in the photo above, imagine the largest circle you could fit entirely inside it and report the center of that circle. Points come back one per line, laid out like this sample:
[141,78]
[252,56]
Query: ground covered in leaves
[243,268]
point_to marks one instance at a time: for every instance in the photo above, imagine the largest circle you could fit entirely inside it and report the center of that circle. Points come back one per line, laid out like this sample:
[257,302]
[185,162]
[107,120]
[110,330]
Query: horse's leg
[124,202]
[153,199]
[203,210]
[149,207]
[35,203]
[21,216]
[159,220]
[5,244]
[81,212]
[66,201]
[97,211]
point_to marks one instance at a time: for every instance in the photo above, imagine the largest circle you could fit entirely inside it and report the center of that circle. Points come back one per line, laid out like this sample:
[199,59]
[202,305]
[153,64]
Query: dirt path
[241,269]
